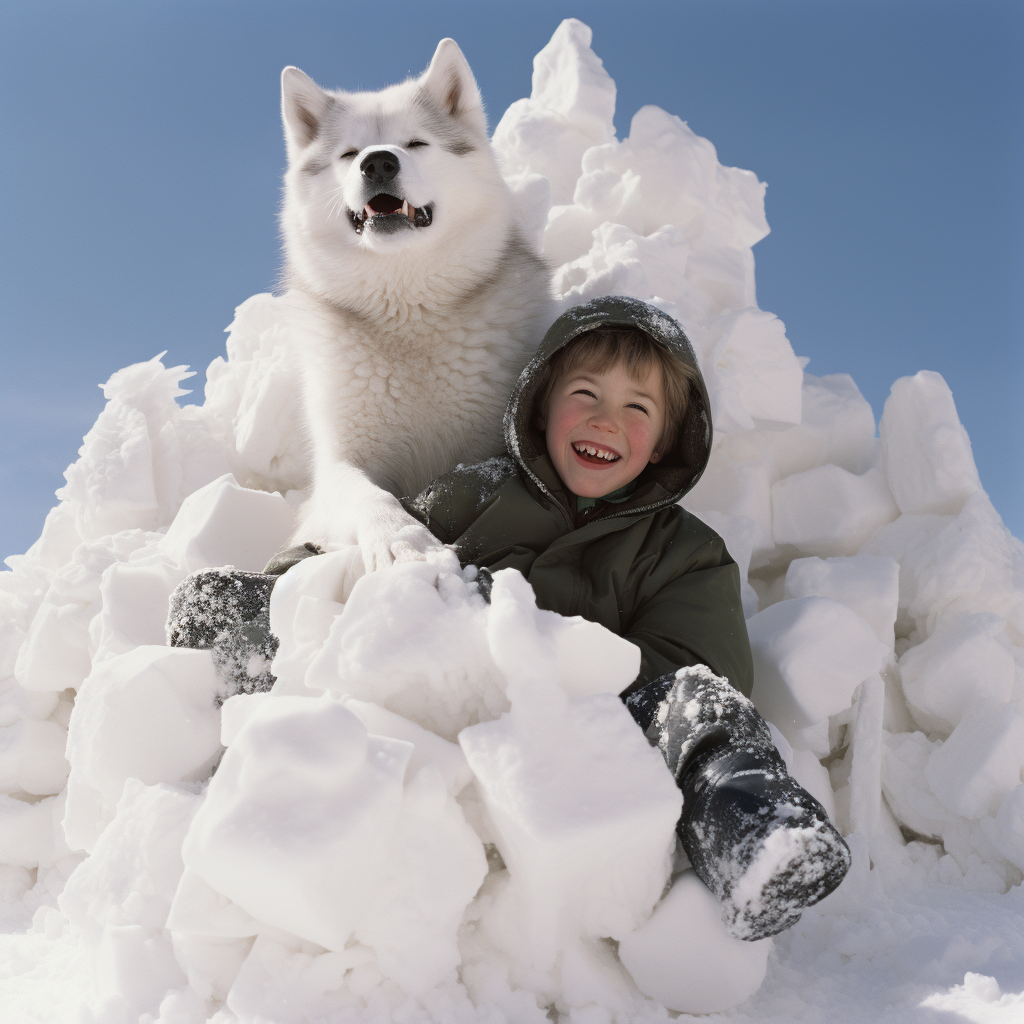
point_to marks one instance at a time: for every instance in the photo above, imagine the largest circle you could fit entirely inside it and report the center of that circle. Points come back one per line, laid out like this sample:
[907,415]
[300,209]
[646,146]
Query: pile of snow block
[442,811]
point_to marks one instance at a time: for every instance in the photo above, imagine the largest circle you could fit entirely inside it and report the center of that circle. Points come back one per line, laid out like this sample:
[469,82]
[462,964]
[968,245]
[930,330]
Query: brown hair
[601,349]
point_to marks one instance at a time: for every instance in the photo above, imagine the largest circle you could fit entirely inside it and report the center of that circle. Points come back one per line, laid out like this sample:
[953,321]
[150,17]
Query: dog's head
[386,171]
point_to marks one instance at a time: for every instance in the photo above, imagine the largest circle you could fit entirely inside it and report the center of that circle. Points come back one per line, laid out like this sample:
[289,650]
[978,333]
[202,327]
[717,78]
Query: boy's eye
[584,391]
[636,405]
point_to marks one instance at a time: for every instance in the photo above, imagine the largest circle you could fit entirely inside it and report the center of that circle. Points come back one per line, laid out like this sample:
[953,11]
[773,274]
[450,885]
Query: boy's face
[601,428]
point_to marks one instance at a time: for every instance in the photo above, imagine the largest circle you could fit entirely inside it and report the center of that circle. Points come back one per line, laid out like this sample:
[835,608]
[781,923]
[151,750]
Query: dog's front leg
[347,507]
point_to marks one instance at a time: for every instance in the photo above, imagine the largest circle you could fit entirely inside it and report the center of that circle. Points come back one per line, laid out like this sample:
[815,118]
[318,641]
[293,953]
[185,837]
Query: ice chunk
[810,654]
[684,958]
[869,584]
[148,715]
[225,524]
[584,811]
[981,761]
[830,511]
[962,663]
[925,450]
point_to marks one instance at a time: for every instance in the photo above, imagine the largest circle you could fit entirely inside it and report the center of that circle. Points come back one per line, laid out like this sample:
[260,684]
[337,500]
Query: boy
[607,428]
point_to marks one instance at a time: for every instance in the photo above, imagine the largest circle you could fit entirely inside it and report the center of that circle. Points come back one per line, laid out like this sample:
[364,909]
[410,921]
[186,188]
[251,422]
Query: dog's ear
[303,105]
[451,86]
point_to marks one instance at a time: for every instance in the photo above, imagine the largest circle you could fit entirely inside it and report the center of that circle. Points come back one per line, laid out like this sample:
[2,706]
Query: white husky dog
[415,299]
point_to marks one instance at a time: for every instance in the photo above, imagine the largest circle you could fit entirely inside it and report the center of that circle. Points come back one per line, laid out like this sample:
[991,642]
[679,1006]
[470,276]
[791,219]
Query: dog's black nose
[380,167]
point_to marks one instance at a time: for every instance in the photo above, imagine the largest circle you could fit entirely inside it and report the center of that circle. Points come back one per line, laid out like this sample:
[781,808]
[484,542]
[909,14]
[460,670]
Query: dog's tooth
[406,209]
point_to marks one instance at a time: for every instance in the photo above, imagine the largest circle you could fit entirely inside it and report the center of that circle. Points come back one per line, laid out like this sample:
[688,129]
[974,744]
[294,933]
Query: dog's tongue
[384,204]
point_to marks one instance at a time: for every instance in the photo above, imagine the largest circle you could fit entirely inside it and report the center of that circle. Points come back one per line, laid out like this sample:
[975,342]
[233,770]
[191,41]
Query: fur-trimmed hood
[661,483]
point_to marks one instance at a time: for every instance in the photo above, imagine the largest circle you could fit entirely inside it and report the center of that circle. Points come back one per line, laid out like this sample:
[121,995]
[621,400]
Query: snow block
[736,483]
[829,511]
[836,426]
[308,826]
[963,663]
[298,818]
[569,110]
[981,761]
[50,659]
[810,654]
[584,811]
[683,958]
[1006,832]
[135,602]
[29,834]
[148,715]
[412,639]
[226,524]
[869,584]
[925,450]
[32,758]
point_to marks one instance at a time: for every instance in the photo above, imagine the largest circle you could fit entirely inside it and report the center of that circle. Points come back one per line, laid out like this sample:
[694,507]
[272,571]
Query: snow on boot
[227,612]
[759,841]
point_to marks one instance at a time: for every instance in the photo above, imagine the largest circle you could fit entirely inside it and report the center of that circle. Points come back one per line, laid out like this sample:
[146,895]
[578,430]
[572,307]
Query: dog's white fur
[409,340]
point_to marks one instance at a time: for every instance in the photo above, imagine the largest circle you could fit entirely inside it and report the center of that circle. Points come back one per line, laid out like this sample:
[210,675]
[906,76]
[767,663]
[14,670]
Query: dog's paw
[412,544]
[388,534]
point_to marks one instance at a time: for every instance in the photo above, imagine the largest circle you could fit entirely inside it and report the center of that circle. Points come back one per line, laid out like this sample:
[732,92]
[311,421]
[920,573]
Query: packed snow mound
[442,811]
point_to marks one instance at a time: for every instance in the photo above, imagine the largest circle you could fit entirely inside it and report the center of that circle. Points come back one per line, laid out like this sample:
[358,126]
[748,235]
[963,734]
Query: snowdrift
[442,811]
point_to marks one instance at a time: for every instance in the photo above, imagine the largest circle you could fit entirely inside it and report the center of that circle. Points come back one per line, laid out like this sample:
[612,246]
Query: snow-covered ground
[441,812]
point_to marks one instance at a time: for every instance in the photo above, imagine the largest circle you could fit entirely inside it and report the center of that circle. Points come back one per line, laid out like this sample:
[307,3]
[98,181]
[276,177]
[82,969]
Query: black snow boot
[227,612]
[759,841]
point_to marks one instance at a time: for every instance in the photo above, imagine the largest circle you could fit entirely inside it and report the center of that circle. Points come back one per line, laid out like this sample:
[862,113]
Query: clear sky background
[142,154]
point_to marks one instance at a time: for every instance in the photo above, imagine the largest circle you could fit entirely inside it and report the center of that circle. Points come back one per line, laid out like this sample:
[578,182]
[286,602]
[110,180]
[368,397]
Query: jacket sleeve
[696,619]
[452,502]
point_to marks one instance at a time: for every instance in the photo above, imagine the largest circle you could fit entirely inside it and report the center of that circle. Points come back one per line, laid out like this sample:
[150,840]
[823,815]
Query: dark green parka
[644,567]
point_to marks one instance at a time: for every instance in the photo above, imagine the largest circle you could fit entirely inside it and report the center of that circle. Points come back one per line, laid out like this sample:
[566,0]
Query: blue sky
[142,156]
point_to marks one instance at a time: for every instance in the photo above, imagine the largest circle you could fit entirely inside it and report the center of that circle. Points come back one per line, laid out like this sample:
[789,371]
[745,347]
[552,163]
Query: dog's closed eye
[417,144]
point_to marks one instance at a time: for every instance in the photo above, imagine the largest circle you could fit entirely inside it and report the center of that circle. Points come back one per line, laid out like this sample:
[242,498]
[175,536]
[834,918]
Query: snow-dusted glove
[759,841]
[284,560]
[227,612]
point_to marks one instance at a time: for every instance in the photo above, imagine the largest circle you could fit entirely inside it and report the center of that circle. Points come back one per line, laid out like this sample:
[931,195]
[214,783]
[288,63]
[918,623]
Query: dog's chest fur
[408,402]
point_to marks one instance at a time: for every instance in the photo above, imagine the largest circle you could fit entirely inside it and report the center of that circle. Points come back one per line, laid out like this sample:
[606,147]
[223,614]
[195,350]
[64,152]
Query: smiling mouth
[390,212]
[594,454]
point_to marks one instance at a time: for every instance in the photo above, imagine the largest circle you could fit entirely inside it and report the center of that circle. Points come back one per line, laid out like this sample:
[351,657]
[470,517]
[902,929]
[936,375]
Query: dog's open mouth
[390,212]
